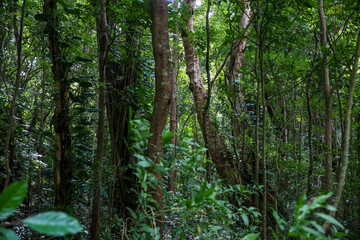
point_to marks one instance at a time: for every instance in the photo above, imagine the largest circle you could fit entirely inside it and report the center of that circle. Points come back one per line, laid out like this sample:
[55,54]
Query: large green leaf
[54,223]
[8,234]
[251,236]
[330,219]
[11,198]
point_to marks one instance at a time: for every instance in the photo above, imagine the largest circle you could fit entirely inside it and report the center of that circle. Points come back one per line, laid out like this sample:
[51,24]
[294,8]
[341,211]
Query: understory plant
[49,223]
[307,220]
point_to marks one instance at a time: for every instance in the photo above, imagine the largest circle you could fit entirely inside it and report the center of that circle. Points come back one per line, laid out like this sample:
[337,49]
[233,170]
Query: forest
[181,119]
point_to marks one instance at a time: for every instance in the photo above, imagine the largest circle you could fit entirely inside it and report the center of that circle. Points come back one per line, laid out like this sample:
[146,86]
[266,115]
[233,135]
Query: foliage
[202,207]
[307,218]
[199,209]
[50,223]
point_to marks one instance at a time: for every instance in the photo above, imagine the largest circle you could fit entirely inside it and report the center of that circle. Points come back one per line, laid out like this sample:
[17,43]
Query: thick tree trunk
[328,99]
[219,154]
[101,27]
[346,136]
[120,78]
[10,132]
[234,76]
[163,91]
[63,169]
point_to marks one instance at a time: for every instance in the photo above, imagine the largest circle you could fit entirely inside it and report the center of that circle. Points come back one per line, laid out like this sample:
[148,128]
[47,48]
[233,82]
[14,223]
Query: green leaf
[11,198]
[148,229]
[317,226]
[145,164]
[330,219]
[245,218]
[54,223]
[133,214]
[320,200]
[8,234]
[251,236]
[281,222]
[314,232]
[300,211]
[216,228]
[166,137]
[330,208]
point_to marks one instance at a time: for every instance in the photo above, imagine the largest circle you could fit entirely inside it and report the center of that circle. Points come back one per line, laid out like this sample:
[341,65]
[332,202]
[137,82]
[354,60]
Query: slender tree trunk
[328,99]
[219,154]
[346,136]
[63,169]
[163,91]
[174,107]
[101,27]
[257,142]
[262,80]
[40,149]
[311,155]
[9,136]
[294,137]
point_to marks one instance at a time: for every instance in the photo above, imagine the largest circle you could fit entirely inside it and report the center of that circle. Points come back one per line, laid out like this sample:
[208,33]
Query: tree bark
[311,155]
[346,136]
[63,167]
[234,76]
[120,78]
[328,99]
[263,154]
[174,107]
[219,154]
[163,92]
[101,27]
[10,132]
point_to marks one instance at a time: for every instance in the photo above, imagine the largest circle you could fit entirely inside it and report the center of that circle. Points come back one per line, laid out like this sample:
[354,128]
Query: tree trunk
[219,154]
[311,155]
[163,91]
[174,108]
[237,97]
[101,27]
[263,154]
[120,78]
[346,136]
[63,169]
[328,99]
[40,149]
[10,132]
[234,77]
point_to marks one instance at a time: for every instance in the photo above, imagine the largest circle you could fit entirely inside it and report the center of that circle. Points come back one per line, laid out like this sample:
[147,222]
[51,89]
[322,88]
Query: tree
[60,68]
[102,43]
[163,92]
[346,135]
[10,133]
[328,98]
[218,152]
